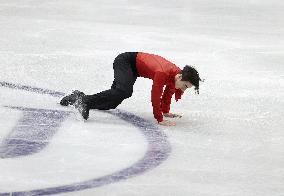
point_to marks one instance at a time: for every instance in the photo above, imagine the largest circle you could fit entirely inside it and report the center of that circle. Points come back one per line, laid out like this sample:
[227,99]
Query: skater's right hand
[167,123]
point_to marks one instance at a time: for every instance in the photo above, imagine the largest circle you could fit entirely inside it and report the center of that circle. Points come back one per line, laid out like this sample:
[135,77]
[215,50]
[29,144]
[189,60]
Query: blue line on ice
[158,147]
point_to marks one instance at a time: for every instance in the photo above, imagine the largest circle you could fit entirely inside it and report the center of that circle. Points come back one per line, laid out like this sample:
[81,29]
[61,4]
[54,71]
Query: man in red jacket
[127,67]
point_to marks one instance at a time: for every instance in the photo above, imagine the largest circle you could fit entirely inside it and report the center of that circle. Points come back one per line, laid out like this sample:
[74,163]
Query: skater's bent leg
[113,86]
[121,88]
[108,99]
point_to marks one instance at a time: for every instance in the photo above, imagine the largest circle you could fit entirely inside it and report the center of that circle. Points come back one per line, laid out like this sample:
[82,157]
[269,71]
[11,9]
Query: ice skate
[81,106]
[70,99]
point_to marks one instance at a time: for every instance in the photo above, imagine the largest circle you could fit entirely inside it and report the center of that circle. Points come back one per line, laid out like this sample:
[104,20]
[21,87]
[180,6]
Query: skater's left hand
[171,115]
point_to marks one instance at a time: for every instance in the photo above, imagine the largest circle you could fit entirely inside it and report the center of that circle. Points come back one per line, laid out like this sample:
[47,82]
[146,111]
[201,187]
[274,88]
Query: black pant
[125,75]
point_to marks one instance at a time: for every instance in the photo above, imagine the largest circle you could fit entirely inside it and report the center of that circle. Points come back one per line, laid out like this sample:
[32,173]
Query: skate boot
[70,99]
[82,107]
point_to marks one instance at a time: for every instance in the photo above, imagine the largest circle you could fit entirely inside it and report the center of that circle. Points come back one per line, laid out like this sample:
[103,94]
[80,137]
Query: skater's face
[182,85]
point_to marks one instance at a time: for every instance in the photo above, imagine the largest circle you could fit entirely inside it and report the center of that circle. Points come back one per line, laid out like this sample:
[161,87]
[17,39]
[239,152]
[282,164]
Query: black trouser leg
[122,87]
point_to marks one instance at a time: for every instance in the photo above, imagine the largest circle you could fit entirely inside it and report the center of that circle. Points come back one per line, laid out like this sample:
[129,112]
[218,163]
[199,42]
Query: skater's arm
[166,99]
[156,93]
[157,90]
[166,103]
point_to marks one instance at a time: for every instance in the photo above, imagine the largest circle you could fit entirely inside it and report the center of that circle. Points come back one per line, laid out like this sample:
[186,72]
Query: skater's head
[187,78]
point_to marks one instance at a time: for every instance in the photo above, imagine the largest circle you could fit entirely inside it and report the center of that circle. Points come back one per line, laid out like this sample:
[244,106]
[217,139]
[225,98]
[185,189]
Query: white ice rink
[229,142]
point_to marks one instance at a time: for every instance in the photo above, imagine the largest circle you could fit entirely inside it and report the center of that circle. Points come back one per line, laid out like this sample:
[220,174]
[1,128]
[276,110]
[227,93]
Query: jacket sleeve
[166,99]
[156,93]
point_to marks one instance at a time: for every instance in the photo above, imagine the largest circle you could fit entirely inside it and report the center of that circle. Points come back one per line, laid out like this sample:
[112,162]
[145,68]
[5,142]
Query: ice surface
[230,140]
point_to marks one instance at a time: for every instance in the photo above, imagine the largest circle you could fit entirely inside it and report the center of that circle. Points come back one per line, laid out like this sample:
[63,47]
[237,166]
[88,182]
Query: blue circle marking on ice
[32,133]
[158,148]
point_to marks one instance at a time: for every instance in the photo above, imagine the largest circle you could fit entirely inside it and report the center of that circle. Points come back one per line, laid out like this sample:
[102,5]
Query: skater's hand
[171,115]
[167,123]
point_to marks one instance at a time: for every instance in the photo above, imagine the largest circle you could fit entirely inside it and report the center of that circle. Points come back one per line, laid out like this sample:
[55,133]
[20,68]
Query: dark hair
[190,74]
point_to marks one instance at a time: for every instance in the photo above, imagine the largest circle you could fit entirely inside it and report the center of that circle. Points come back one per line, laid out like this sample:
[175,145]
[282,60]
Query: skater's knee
[115,105]
[128,94]
[124,94]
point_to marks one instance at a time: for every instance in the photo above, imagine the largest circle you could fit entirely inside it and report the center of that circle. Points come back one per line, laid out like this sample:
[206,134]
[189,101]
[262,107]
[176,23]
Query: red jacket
[162,72]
